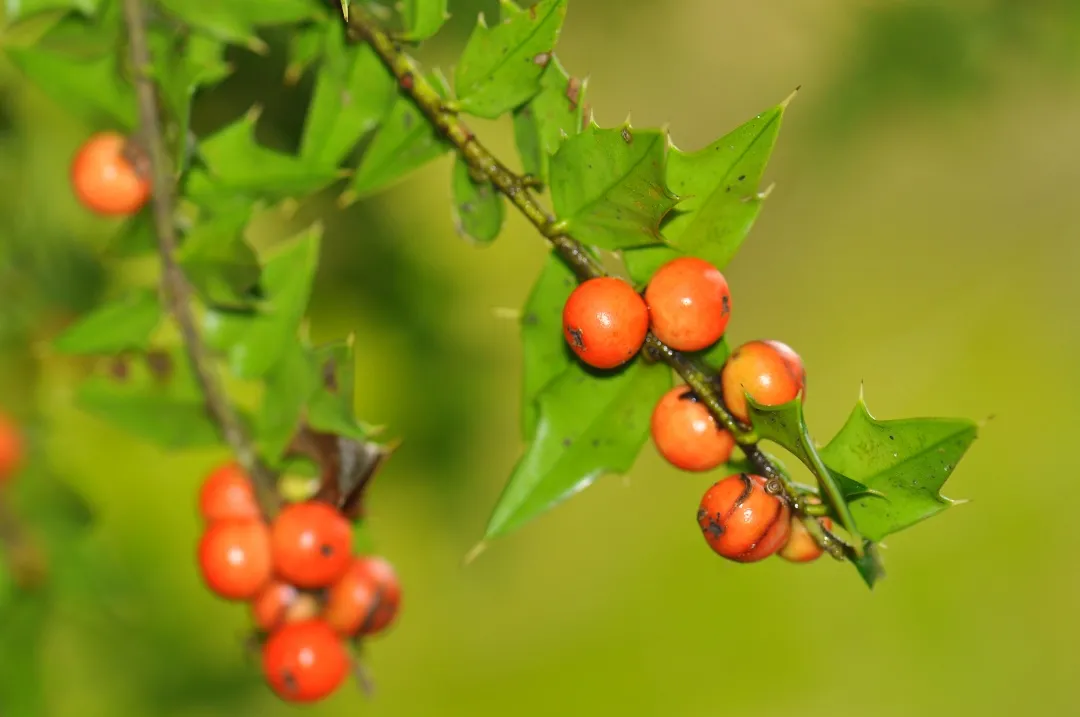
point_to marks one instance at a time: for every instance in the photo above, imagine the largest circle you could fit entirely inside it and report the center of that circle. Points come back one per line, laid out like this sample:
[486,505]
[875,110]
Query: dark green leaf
[501,66]
[353,92]
[907,461]
[305,46]
[608,186]
[423,18]
[289,385]
[544,349]
[255,343]
[236,22]
[19,9]
[869,565]
[540,125]
[478,206]
[643,261]
[405,142]
[89,87]
[219,263]
[123,325]
[589,425]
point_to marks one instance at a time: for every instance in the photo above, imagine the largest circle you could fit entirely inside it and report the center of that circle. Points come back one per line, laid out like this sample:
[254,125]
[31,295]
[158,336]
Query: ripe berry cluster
[687,305]
[308,592]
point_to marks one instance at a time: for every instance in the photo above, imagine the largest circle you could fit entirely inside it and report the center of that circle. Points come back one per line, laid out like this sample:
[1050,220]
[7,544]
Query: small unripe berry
[686,434]
[770,371]
[226,494]
[280,603]
[234,557]
[605,322]
[104,180]
[311,544]
[304,661]
[742,521]
[801,546]
[689,304]
[11,448]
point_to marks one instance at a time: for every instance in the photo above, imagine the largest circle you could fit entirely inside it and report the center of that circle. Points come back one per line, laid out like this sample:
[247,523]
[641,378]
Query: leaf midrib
[585,209]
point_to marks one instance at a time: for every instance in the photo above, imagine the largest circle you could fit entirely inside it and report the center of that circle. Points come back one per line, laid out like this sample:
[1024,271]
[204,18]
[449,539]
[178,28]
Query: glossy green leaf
[91,88]
[557,111]
[255,343]
[478,206]
[544,349]
[330,408]
[423,18]
[236,22]
[353,93]
[289,385]
[219,262]
[590,425]
[643,261]
[238,163]
[403,143]
[500,67]
[608,186]
[907,461]
[115,327]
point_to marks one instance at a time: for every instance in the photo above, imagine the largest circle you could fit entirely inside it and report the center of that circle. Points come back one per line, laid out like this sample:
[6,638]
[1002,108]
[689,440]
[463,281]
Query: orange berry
[801,546]
[741,521]
[311,544]
[234,557]
[366,599]
[605,322]
[689,304]
[770,371]
[304,661]
[104,180]
[686,434]
[280,603]
[11,448]
[226,494]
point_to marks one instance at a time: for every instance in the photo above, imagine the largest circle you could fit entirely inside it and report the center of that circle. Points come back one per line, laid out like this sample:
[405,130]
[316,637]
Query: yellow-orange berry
[689,304]
[742,521]
[801,546]
[770,371]
[605,322]
[104,180]
[686,434]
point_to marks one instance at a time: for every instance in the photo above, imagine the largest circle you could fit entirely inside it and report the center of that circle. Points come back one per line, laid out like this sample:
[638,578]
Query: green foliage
[544,349]
[236,23]
[608,186]
[127,324]
[501,66]
[478,206]
[27,8]
[555,112]
[287,387]
[423,18]
[218,261]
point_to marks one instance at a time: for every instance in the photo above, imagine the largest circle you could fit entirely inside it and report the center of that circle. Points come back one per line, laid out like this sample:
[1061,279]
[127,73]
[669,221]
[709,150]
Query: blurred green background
[921,239]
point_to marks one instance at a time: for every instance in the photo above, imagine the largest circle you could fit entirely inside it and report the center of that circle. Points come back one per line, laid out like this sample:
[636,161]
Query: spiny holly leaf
[289,385]
[608,186]
[557,111]
[405,142]
[544,349]
[305,46]
[123,325]
[906,461]
[91,88]
[423,18]
[589,425]
[501,66]
[19,9]
[239,164]
[218,261]
[236,22]
[478,206]
[353,92]
[255,343]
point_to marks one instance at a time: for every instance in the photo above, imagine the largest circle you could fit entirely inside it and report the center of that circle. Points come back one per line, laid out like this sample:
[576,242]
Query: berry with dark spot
[689,304]
[366,600]
[605,322]
[104,179]
[279,603]
[311,544]
[234,558]
[304,661]
[741,521]
[11,448]
[226,494]
[770,371]
[686,434]
[801,546]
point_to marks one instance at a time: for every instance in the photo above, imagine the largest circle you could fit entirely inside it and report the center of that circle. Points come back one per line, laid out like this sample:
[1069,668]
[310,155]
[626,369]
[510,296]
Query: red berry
[226,494]
[687,435]
[605,322]
[234,557]
[771,372]
[304,661]
[801,546]
[104,180]
[311,544]
[11,448]
[279,603]
[689,304]
[743,522]
[366,599]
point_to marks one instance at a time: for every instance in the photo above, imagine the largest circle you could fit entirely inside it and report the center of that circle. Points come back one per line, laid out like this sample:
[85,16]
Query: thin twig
[175,287]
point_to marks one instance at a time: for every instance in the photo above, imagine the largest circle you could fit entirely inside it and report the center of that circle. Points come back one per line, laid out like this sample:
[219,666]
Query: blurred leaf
[478,206]
[305,47]
[22,636]
[544,349]
[289,385]
[405,142]
[219,262]
[353,93]
[540,125]
[236,22]
[589,425]
[608,186]
[18,9]
[330,407]
[423,18]
[238,163]
[90,87]
[123,325]
[500,67]
[870,567]
[255,343]
[907,461]
[135,236]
